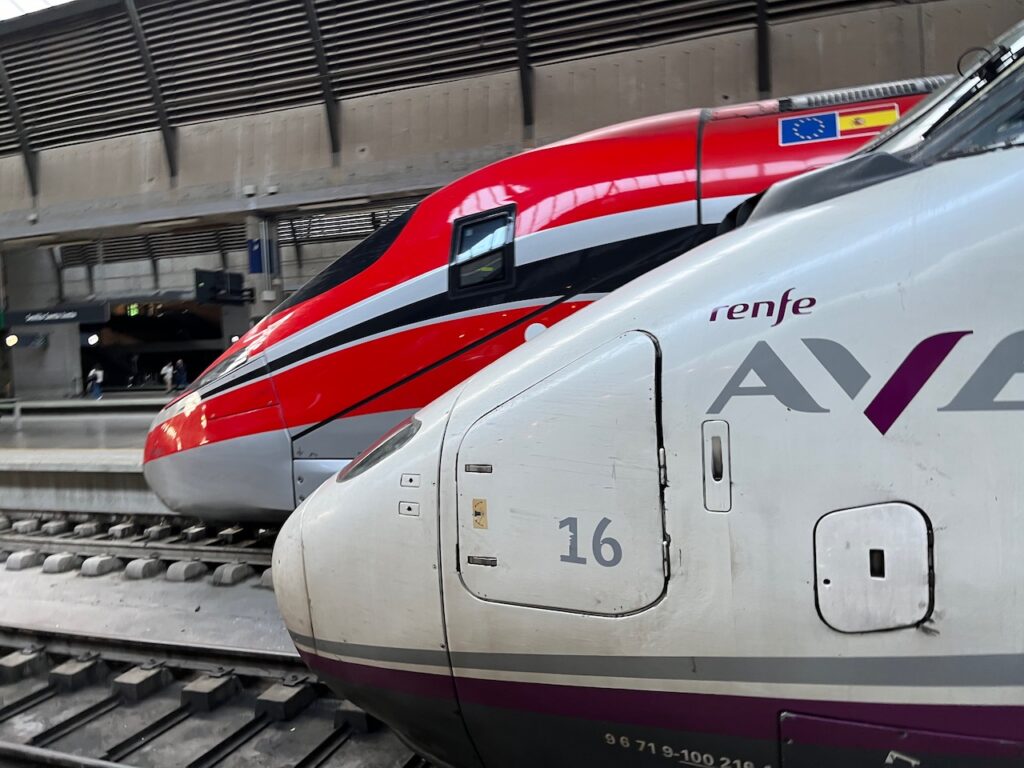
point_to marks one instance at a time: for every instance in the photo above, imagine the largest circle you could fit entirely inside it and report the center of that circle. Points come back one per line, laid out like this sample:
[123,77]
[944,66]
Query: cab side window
[482,256]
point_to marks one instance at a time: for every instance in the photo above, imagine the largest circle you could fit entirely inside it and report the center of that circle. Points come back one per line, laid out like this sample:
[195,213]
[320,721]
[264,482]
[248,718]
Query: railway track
[34,536]
[67,700]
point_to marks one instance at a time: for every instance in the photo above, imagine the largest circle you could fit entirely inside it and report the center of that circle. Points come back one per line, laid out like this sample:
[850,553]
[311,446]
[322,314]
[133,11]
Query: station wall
[884,43]
[422,137]
[54,371]
[419,138]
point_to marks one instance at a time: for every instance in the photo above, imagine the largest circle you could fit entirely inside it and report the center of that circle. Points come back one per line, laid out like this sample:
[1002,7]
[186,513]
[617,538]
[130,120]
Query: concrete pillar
[53,370]
[6,386]
[50,371]
[264,263]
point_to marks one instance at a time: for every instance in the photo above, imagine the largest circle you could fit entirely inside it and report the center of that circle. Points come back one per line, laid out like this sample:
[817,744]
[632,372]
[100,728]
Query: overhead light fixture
[11,340]
[28,242]
[336,204]
[170,223]
[93,340]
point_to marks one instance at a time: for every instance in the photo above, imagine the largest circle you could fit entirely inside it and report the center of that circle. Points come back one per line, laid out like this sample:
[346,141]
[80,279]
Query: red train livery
[471,272]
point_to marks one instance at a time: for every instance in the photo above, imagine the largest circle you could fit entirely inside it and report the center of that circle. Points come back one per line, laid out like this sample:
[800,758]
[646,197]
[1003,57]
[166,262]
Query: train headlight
[384,447]
[223,368]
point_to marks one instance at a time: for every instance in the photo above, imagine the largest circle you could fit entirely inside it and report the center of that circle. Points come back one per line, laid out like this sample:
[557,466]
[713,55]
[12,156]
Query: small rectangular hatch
[873,567]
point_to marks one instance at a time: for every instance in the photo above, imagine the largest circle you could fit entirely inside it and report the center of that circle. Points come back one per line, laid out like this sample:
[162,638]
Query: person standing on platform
[134,379]
[180,375]
[167,374]
[95,380]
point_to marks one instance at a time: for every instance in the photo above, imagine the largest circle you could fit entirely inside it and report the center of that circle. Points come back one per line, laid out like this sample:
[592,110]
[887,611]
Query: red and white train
[472,272]
[760,508]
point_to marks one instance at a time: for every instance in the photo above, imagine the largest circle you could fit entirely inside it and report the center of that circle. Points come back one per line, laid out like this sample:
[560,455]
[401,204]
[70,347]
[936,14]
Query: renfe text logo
[766,308]
[1004,362]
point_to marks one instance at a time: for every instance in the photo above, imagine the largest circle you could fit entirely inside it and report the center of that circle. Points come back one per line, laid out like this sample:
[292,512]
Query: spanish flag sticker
[840,124]
[867,121]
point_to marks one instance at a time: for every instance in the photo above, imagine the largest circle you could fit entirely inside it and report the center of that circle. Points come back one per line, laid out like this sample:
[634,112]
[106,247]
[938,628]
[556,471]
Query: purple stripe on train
[740,716]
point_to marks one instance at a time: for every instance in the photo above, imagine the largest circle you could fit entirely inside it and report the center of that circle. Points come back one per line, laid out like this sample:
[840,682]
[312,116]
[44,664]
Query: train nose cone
[289,572]
[221,467]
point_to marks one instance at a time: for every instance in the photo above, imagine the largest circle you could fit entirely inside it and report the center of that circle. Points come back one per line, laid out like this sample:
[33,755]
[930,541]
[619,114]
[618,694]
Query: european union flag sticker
[808,128]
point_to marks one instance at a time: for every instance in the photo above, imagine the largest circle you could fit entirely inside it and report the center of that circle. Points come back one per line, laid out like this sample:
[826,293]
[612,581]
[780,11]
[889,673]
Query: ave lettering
[980,392]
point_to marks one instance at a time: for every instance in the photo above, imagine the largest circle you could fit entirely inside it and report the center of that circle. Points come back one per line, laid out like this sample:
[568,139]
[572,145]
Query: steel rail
[61,729]
[27,701]
[204,658]
[41,756]
[231,742]
[214,747]
[140,738]
[160,549]
[322,752]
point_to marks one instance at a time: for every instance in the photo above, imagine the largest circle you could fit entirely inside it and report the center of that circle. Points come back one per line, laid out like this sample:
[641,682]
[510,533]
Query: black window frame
[507,252]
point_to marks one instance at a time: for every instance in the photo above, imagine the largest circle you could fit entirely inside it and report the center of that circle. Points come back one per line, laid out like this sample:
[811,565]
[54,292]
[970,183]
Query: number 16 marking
[574,545]
[599,543]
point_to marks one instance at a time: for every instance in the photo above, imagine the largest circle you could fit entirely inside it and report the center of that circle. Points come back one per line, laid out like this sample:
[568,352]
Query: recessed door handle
[717,466]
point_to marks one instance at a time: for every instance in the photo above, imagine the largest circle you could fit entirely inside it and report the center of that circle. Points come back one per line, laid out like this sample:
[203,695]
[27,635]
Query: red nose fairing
[227,456]
[470,273]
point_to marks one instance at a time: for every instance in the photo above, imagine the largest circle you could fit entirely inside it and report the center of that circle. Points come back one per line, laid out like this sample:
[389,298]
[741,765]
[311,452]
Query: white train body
[761,507]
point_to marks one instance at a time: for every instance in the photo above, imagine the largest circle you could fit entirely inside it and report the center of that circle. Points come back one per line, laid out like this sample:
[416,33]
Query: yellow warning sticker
[479,513]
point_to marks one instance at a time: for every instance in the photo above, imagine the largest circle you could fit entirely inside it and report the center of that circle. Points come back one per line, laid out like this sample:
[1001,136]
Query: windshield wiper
[955,154]
[986,73]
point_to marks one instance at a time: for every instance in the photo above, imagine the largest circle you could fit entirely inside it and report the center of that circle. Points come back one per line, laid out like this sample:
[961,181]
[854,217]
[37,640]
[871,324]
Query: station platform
[83,463]
[82,431]
[200,613]
[14,412]
[88,466]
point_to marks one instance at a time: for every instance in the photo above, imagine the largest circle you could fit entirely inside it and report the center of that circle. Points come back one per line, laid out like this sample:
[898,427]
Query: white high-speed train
[762,507]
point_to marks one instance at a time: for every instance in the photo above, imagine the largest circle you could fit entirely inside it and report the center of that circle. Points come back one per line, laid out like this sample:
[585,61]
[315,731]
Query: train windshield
[350,264]
[993,120]
[984,79]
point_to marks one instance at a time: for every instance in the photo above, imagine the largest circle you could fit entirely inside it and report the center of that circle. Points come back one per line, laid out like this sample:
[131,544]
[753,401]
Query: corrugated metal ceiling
[158,245]
[83,81]
[83,78]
